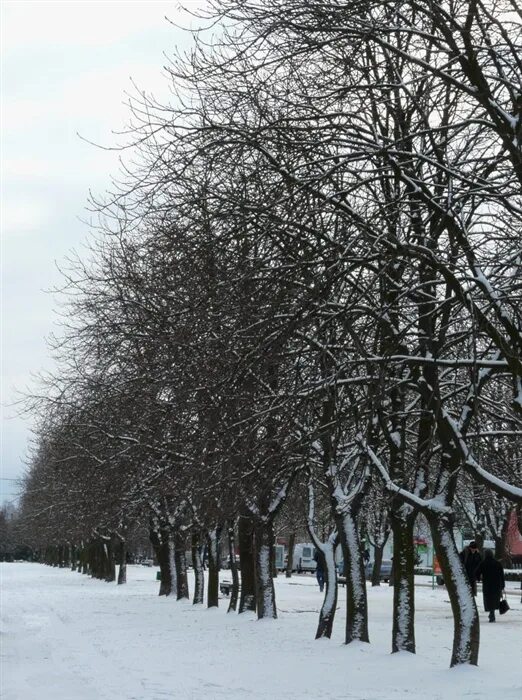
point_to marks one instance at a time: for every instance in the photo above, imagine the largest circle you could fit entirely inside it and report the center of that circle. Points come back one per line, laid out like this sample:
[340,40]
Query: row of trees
[306,287]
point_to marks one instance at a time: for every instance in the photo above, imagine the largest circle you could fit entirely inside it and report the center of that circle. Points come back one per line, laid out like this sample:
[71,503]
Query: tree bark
[234,593]
[356,600]
[161,550]
[213,568]
[170,556]
[290,560]
[327,614]
[501,543]
[376,571]
[466,630]
[180,564]
[84,561]
[122,573]
[403,630]
[110,565]
[199,574]
[247,598]
[265,593]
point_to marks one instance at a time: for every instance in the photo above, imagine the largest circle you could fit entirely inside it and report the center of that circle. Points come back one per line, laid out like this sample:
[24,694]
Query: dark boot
[492,616]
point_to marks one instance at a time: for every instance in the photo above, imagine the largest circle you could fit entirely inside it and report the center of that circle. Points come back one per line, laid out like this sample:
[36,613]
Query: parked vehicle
[386,570]
[304,557]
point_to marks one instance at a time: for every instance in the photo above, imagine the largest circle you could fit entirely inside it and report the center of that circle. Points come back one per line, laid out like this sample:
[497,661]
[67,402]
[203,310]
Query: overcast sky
[65,69]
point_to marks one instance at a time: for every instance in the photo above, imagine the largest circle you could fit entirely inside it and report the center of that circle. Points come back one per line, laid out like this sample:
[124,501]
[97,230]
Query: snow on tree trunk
[213,568]
[170,557]
[356,601]
[403,629]
[265,592]
[199,574]
[290,561]
[122,573]
[234,593]
[180,565]
[247,598]
[84,562]
[466,630]
[501,543]
[327,614]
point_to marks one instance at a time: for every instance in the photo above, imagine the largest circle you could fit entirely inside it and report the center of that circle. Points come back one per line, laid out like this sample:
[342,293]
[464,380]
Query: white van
[304,557]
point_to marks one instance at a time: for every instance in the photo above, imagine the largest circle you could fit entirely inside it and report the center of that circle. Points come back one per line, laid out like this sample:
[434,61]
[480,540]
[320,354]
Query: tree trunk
[122,573]
[84,561]
[403,629]
[501,544]
[290,560]
[234,593]
[199,574]
[180,563]
[161,550]
[213,568]
[356,601]
[170,555]
[247,599]
[110,565]
[327,614]
[466,630]
[376,571]
[265,592]
[95,558]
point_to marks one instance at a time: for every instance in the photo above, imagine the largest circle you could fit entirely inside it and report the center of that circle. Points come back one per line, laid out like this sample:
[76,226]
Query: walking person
[471,559]
[319,569]
[491,572]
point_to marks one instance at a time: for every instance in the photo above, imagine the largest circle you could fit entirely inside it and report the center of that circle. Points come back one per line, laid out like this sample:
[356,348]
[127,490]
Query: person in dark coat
[491,572]
[470,557]
[319,570]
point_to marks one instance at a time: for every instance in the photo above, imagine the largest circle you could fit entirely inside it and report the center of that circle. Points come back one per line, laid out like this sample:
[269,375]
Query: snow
[264,565]
[68,637]
[352,545]
[464,595]
[404,615]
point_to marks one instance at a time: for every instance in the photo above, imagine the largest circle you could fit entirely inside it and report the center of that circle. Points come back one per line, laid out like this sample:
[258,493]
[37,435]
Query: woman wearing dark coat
[470,558]
[492,574]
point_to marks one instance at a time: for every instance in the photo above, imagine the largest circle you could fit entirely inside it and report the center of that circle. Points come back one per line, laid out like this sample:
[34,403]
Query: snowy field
[65,636]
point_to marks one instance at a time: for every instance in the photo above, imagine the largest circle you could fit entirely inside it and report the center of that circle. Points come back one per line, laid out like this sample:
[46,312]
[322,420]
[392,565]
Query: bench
[226,587]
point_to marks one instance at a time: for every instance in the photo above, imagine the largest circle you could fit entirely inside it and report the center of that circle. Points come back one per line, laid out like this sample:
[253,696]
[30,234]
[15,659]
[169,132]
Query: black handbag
[503,606]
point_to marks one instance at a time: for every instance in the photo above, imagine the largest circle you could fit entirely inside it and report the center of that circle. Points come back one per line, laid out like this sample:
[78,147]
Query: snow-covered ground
[65,636]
